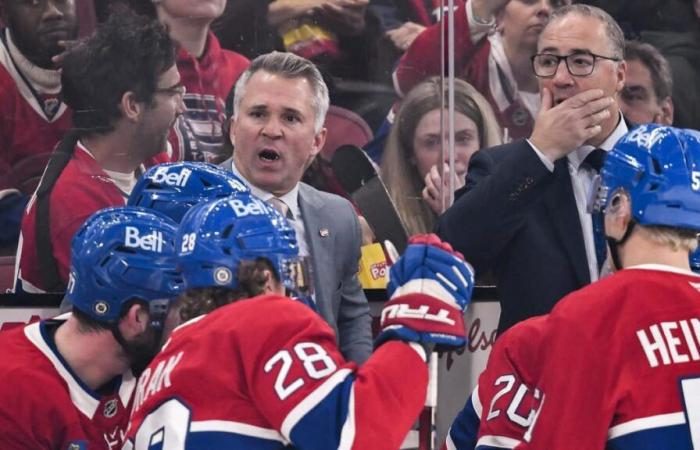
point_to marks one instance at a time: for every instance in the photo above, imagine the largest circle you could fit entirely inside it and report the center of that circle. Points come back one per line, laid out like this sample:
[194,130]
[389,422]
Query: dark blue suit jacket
[520,220]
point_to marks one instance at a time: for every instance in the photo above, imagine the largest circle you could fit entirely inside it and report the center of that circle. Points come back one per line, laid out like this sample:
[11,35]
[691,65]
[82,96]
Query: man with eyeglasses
[126,92]
[523,211]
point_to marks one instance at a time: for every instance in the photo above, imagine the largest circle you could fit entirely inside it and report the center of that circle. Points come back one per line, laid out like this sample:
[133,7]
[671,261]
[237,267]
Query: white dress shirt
[581,180]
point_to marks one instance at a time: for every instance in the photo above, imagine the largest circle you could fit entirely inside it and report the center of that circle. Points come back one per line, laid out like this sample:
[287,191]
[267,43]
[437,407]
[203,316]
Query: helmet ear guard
[173,188]
[695,260]
[121,254]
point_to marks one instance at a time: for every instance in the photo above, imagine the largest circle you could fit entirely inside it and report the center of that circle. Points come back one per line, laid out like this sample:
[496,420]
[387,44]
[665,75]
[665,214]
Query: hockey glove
[429,289]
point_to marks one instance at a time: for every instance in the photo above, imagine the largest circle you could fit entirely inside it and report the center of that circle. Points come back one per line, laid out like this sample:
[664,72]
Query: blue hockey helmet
[173,188]
[215,236]
[120,254]
[659,168]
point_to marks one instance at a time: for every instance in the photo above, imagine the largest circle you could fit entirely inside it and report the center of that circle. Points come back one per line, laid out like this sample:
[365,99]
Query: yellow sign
[374,271]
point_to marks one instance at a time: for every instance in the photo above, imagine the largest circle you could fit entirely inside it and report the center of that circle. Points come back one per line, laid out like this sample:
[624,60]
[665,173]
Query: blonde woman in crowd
[410,163]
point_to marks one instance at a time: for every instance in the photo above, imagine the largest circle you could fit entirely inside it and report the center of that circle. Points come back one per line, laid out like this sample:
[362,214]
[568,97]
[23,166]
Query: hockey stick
[355,172]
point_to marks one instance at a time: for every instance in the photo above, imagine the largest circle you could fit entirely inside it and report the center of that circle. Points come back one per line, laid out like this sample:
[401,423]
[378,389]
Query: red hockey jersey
[503,404]
[198,133]
[265,372]
[482,64]
[31,122]
[43,405]
[620,365]
[81,189]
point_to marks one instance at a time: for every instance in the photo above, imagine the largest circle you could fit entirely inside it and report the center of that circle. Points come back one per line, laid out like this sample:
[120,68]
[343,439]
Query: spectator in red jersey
[32,116]
[208,73]
[125,91]
[496,63]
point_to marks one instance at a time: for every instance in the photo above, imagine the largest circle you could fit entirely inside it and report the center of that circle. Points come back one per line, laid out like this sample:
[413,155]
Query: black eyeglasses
[579,64]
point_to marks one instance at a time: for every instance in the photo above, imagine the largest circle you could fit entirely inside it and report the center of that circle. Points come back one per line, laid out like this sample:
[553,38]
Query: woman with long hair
[412,152]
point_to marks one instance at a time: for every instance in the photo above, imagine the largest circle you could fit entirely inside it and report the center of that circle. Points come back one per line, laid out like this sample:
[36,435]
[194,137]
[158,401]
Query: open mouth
[269,155]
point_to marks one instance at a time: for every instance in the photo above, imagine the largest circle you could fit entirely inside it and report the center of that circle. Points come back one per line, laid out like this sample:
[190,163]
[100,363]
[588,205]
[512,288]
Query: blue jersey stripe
[675,437]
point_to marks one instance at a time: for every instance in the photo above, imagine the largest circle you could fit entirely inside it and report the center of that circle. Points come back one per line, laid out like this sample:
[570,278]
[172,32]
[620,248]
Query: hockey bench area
[456,375]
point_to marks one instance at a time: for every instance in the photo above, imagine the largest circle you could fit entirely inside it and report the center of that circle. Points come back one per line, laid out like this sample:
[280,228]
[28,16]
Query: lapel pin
[324,232]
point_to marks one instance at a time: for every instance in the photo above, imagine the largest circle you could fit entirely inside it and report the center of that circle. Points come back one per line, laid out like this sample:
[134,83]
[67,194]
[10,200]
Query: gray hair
[291,66]
[653,60]
[615,35]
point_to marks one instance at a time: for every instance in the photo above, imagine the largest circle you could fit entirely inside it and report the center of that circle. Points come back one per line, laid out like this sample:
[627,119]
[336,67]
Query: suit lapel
[561,204]
[310,206]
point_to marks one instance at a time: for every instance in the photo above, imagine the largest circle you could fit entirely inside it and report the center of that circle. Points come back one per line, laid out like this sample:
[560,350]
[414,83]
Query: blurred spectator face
[38,25]
[522,21]
[427,142]
[159,117]
[577,34]
[638,99]
[205,10]
[273,132]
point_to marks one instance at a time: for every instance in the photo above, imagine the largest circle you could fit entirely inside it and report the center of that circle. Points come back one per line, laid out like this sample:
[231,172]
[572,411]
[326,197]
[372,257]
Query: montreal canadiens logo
[101,307]
[222,275]
[111,408]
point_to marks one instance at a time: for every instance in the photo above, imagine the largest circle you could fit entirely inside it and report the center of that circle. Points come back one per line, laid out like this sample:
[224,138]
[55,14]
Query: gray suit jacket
[334,238]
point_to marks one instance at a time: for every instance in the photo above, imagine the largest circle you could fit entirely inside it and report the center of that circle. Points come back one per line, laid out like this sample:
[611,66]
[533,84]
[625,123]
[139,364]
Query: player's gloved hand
[429,288]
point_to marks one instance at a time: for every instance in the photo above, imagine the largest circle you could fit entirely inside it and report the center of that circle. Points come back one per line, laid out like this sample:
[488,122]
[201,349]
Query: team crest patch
[222,275]
[51,107]
[101,307]
[111,408]
[77,445]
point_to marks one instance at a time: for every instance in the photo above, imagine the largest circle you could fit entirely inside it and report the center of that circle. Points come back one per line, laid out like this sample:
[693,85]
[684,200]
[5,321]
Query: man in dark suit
[280,104]
[523,211]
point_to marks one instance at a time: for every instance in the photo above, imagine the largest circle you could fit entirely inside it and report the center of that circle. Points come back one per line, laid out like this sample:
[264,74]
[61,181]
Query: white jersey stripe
[237,428]
[646,423]
[497,441]
[347,435]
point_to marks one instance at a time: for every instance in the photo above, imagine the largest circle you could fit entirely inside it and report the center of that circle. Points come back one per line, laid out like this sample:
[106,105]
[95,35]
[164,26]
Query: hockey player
[266,372]
[619,360]
[66,382]
[502,405]
[173,188]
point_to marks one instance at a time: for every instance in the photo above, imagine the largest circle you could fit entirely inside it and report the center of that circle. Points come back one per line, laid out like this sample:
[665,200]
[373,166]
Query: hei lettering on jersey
[671,342]
[152,381]
[152,241]
[162,175]
[250,207]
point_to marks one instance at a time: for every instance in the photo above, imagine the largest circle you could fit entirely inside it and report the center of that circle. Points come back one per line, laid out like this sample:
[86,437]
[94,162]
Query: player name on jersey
[151,382]
[671,342]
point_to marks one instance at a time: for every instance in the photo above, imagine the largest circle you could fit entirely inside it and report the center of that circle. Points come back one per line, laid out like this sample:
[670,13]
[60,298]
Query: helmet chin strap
[615,244]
